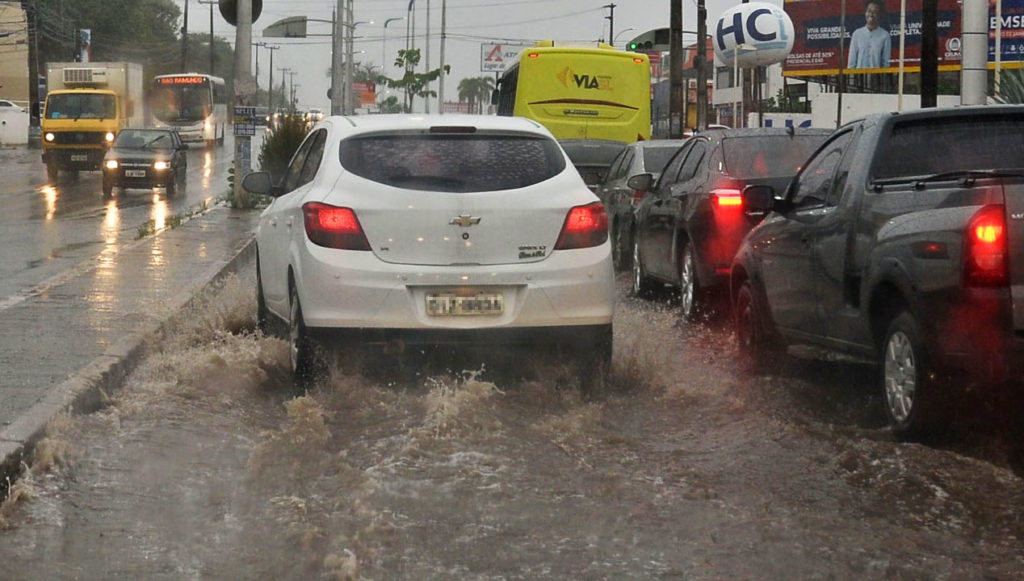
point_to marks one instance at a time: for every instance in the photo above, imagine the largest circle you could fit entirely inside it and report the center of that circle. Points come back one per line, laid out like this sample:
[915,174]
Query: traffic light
[650,41]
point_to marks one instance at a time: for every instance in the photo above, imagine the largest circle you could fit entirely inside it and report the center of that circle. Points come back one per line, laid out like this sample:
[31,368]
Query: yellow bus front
[585,93]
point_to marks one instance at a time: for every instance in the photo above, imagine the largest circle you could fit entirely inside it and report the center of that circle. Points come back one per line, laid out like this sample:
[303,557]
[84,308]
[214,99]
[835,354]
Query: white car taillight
[333,227]
[584,227]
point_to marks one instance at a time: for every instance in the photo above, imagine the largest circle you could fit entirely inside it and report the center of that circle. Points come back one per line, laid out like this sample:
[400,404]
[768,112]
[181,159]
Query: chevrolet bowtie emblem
[464,221]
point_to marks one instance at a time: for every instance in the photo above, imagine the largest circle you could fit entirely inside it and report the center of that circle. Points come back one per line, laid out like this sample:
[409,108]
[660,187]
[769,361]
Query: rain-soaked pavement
[206,467]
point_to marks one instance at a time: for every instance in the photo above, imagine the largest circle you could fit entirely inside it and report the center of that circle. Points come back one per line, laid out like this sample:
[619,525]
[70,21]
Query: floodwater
[208,466]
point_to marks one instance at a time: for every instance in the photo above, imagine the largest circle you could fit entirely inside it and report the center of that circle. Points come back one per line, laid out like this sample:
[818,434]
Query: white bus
[193,103]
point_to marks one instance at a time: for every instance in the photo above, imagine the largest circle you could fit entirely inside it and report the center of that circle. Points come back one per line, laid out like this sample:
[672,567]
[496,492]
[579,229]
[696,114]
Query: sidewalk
[74,337]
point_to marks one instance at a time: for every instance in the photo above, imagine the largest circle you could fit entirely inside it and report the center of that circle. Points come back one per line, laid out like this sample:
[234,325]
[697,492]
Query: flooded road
[207,466]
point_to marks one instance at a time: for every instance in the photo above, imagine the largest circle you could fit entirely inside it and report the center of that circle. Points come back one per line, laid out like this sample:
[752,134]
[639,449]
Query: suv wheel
[911,394]
[642,285]
[108,188]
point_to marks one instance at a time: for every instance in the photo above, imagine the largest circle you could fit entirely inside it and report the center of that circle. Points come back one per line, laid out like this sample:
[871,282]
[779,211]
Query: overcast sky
[470,24]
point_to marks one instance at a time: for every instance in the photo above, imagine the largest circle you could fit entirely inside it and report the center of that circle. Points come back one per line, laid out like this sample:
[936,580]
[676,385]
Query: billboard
[872,39]
[496,58]
[871,36]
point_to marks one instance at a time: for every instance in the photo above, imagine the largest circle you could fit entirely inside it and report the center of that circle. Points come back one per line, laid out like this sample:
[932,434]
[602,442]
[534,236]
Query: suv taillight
[985,256]
[728,198]
[333,227]
[584,226]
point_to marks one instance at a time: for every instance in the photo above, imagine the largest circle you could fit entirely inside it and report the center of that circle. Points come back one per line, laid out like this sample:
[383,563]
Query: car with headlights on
[146,158]
[431,230]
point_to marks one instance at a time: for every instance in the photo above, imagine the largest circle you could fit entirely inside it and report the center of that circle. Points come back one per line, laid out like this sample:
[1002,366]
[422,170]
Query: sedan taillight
[985,259]
[726,199]
[334,227]
[584,227]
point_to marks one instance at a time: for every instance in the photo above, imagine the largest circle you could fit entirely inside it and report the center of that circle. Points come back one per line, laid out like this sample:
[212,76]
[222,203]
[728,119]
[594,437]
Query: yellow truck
[87,105]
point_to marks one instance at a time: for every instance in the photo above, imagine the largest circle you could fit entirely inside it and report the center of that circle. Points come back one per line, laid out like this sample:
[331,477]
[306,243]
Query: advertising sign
[245,121]
[753,34]
[496,58]
[1011,33]
[871,36]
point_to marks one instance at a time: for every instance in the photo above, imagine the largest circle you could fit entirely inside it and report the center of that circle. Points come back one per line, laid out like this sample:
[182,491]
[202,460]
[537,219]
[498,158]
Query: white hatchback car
[435,230]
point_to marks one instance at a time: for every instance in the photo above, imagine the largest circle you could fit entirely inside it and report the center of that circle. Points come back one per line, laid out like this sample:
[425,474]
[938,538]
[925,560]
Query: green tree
[391,105]
[476,91]
[413,84]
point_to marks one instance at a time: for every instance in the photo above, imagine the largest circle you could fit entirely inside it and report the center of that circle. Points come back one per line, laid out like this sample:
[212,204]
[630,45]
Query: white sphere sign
[756,33]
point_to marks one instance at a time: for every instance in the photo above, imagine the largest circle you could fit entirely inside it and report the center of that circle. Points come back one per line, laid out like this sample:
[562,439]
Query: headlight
[50,137]
[207,125]
[161,165]
[111,164]
[110,136]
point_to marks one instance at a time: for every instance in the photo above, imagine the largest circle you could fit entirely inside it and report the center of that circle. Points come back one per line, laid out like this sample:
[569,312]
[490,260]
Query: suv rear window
[932,146]
[453,163]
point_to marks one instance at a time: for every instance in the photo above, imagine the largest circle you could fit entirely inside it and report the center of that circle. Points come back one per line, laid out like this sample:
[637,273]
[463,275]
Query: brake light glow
[985,257]
[727,198]
[584,227]
[333,227]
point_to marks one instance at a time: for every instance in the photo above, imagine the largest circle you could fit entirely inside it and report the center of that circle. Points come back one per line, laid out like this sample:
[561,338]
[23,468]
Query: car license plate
[79,157]
[134,173]
[451,304]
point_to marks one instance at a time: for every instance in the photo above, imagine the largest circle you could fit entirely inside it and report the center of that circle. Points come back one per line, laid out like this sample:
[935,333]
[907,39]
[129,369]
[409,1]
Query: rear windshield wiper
[966,176]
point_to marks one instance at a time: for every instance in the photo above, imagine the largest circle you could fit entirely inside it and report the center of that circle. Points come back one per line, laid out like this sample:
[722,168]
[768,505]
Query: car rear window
[769,156]
[924,147]
[453,162]
[655,158]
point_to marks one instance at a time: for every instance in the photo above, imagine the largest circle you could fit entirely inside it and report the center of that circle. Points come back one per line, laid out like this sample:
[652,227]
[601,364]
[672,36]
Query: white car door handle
[273,222]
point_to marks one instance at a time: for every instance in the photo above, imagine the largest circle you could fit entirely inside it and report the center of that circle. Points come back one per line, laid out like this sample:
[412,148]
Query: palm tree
[477,91]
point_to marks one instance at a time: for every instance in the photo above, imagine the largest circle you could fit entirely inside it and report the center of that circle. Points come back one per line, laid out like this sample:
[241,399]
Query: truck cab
[87,106]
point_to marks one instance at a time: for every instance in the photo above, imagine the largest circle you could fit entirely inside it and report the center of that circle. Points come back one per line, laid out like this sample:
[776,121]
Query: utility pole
[676,120]
[930,54]
[350,28]
[611,23]
[337,94]
[256,75]
[444,26]
[34,107]
[210,3]
[244,89]
[184,39]
[702,68]
[270,91]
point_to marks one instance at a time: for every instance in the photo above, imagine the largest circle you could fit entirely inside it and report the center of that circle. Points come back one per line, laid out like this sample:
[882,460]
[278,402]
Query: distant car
[314,115]
[6,105]
[690,224]
[146,158]
[592,157]
[620,200]
[428,230]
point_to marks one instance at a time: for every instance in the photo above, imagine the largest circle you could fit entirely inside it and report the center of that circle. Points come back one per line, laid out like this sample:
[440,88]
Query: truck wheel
[692,298]
[642,284]
[108,189]
[172,186]
[756,343]
[305,360]
[912,397]
[52,172]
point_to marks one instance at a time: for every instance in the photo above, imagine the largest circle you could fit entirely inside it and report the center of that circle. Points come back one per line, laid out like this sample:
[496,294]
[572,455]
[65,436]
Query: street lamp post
[384,43]
[620,34]
[347,105]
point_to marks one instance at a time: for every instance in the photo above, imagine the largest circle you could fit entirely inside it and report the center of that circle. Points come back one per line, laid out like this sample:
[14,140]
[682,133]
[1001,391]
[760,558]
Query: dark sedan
[145,158]
[620,200]
[690,225]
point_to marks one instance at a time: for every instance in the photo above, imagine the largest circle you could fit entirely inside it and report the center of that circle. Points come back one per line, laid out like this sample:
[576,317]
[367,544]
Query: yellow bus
[580,92]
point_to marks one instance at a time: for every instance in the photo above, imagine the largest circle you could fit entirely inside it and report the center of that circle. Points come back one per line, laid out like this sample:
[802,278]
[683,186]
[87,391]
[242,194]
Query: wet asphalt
[69,341]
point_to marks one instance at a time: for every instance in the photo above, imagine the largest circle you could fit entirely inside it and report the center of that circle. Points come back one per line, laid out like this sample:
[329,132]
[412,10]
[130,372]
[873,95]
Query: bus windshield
[181,103]
[80,106]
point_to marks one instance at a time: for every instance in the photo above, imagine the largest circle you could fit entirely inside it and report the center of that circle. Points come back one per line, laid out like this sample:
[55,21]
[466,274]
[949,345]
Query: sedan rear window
[453,162]
[768,156]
